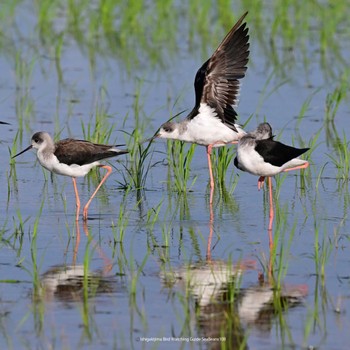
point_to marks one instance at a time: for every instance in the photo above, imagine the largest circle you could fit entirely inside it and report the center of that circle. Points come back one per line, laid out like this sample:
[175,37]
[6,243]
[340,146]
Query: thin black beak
[25,150]
[4,123]
[150,139]
[123,151]
[157,133]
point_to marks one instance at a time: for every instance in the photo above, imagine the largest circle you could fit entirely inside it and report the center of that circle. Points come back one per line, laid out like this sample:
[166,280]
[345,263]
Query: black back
[277,153]
[80,152]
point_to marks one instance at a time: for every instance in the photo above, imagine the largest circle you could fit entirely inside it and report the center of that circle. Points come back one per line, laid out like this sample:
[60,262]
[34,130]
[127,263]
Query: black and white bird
[259,154]
[212,121]
[74,158]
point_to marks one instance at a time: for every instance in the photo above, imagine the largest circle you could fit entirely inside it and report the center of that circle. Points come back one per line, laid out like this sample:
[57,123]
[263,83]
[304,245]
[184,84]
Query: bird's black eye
[37,140]
[168,128]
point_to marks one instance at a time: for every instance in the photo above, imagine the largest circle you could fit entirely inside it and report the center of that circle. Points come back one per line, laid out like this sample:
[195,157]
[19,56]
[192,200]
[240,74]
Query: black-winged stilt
[72,158]
[212,121]
[259,154]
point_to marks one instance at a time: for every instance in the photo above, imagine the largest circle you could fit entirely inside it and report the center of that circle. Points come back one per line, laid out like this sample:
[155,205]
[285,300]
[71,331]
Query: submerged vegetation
[158,260]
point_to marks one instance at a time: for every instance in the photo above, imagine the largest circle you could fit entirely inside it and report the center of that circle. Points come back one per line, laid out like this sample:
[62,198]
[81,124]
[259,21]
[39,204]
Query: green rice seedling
[199,23]
[75,13]
[333,100]
[322,252]
[135,289]
[46,15]
[178,208]
[280,259]
[18,232]
[3,231]
[123,220]
[24,103]
[13,149]
[98,129]
[90,285]
[235,285]
[38,306]
[226,194]
[12,182]
[139,165]
[64,201]
[320,176]
[320,258]
[223,158]
[341,158]
[180,164]
[332,134]
[294,28]
[58,53]
[120,258]
[7,13]
[276,264]
[313,142]
[161,248]
[86,291]
[140,156]
[37,219]
[311,318]
[153,215]
[283,330]
[305,106]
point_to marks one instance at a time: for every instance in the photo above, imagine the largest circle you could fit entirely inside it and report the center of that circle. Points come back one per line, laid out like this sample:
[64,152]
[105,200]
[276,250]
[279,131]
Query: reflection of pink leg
[109,171]
[304,166]
[261,182]
[75,251]
[108,264]
[211,229]
[271,203]
[209,149]
[77,199]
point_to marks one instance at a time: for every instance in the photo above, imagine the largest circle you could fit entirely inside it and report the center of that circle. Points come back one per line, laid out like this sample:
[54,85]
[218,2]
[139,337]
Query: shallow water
[131,282]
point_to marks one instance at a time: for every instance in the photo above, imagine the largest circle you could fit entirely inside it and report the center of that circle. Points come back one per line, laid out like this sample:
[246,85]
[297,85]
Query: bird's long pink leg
[109,171]
[77,199]
[261,182]
[271,204]
[304,166]
[209,149]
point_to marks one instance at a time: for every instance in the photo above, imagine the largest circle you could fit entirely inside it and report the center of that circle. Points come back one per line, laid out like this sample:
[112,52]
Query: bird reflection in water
[222,310]
[68,283]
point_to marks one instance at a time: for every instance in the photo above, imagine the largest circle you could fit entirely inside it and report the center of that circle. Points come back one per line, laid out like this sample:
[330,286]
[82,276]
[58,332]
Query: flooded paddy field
[156,265]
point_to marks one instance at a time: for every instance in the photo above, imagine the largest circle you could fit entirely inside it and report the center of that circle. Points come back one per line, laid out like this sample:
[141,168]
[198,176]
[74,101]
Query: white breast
[51,163]
[206,128]
[251,161]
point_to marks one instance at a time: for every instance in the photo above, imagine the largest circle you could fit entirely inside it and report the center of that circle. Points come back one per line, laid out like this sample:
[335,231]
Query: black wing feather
[217,81]
[277,153]
[80,152]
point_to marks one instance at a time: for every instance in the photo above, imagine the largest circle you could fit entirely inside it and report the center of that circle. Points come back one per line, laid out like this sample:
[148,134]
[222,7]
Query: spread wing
[217,81]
